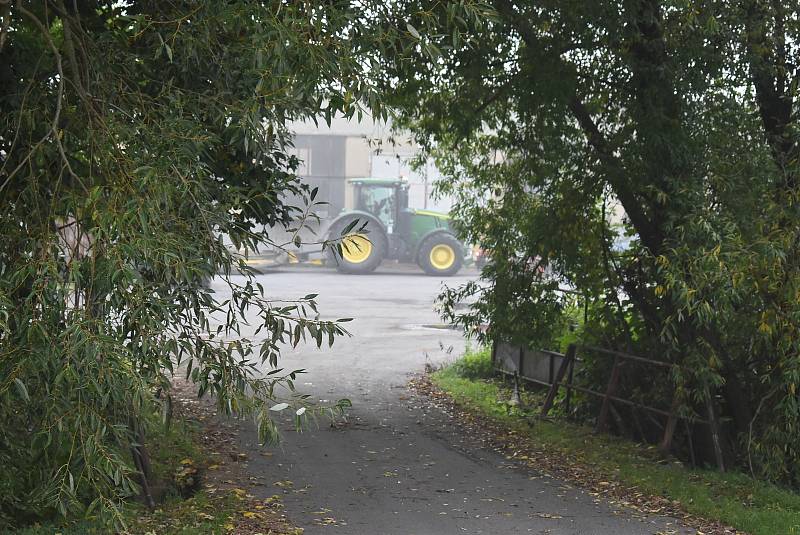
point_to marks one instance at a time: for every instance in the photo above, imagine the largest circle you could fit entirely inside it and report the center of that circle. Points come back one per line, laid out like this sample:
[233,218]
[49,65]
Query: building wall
[353,149]
[323,165]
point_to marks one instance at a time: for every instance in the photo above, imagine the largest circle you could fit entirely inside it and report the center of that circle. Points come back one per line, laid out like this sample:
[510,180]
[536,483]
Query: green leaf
[350,226]
[21,389]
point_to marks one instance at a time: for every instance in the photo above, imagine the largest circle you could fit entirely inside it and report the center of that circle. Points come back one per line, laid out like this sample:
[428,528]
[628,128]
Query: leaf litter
[520,449]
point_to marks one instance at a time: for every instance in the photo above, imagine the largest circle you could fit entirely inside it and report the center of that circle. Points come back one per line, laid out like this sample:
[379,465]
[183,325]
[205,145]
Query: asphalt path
[398,466]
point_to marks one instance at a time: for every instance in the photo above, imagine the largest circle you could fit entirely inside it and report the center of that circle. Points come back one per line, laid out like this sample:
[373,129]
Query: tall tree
[681,117]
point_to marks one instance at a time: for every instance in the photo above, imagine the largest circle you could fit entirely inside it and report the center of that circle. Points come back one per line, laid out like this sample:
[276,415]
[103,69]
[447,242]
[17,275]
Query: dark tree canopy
[646,153]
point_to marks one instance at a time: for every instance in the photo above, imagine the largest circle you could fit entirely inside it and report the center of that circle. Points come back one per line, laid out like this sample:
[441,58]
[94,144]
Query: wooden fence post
[713,424]
[568,397]
[669,429]
[562,370]
[689,438]
[611,390]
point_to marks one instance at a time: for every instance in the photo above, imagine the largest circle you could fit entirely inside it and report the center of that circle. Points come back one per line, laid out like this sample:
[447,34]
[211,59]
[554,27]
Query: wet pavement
[400,466]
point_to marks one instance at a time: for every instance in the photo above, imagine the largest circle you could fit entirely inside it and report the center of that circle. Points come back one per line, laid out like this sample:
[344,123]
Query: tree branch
[5,21]
[768,72]
[53,131]
[59,102]
[650,235]
[648,232]
[69,48]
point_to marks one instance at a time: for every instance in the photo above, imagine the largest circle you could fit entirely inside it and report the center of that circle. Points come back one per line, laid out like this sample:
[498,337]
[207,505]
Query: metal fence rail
[556,370]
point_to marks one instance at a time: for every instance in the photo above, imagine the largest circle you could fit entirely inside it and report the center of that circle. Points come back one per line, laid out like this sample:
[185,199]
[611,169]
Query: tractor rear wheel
[361,252]
[441,255]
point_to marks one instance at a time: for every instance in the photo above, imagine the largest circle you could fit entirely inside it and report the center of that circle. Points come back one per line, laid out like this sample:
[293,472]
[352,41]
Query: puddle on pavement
[430,327]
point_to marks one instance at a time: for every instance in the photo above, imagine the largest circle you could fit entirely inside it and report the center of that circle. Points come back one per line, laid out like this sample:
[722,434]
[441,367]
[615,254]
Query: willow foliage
[134,136]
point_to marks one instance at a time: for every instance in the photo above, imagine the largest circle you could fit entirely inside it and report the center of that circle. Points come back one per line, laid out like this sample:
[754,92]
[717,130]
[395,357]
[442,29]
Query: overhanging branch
[614,169]
[768,70]
[5,21]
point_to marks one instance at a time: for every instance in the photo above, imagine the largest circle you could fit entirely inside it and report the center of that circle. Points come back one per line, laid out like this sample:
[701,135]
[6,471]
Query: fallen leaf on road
[547,515]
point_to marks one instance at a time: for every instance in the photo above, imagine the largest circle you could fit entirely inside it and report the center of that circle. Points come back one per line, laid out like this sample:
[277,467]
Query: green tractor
[388,228]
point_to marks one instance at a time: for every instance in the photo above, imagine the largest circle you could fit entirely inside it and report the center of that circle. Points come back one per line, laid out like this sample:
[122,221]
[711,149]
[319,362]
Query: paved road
[399,468]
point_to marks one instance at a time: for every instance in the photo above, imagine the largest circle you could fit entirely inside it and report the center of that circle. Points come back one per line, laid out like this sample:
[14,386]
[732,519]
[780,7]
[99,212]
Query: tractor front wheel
[361,252]
[441,255]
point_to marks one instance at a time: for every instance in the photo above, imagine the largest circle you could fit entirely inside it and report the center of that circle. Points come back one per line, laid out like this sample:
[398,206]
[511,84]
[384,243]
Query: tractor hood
[426,221]
[431,213]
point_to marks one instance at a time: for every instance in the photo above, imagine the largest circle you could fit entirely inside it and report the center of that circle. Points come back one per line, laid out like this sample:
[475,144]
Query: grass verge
[615,466]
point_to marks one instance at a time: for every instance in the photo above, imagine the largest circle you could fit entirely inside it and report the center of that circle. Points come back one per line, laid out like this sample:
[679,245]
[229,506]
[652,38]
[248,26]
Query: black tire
[378,247]
[427,263]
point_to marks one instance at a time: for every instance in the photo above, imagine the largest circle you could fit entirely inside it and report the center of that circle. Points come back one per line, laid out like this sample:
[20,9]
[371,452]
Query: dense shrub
[475,364]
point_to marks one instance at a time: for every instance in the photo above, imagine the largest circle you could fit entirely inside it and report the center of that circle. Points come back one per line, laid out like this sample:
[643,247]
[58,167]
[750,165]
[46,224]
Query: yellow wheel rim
[442,256]
[356,248]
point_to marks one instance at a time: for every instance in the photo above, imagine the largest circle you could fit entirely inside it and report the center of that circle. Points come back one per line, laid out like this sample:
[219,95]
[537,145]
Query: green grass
[474,365]
[198,514]
[172,445]
[735,499]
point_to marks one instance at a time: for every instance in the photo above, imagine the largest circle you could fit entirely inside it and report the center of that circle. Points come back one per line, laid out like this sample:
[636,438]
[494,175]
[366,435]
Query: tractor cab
[386,199]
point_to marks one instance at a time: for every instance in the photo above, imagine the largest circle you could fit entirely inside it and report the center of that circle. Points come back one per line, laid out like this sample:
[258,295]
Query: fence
[556,370]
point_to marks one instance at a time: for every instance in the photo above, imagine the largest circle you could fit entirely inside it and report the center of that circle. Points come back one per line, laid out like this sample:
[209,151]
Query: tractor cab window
[378,201]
